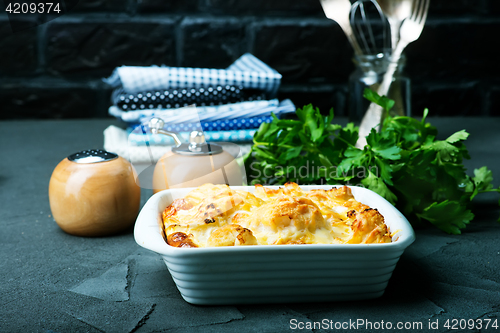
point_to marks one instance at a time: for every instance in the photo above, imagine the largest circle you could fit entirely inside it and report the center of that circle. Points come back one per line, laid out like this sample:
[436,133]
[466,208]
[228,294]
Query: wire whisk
[370,27]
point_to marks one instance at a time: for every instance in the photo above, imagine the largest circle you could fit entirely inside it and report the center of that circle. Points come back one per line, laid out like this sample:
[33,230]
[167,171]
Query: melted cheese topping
[216,215]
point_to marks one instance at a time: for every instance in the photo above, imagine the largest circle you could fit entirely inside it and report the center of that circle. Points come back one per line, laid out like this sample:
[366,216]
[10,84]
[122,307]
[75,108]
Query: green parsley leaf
[458,136]
[293,152]
[377,185]
[383,101]
[449,216]
[483,177]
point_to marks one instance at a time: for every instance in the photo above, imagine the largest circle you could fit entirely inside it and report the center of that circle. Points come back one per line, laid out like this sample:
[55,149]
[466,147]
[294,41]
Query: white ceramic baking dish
[277,273]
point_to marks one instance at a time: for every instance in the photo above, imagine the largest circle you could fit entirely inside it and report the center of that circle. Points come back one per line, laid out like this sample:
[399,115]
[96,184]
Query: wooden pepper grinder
[94,193]
[195,163]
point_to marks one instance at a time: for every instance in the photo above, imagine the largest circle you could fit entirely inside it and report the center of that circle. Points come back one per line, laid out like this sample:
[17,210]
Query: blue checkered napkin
[137,138]
[220,125]
[247,71]
[265,77]
[207,113]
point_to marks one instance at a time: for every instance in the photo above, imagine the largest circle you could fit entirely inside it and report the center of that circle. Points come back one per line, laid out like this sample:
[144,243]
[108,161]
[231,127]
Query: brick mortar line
[51,82]
[251,21]
[97,83]
[41,48]
[179,43]
[467,18]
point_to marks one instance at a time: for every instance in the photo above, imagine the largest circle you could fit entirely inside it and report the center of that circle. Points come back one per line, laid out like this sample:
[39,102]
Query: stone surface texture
[55,282]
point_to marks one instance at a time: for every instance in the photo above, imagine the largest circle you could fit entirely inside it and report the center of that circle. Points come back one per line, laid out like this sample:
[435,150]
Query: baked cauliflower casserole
[216,215]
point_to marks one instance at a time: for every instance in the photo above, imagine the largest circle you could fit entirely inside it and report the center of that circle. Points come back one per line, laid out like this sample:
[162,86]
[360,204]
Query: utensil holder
[369,73]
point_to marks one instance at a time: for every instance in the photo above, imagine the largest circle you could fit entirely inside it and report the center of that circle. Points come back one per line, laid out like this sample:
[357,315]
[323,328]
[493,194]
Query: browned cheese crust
[215,215]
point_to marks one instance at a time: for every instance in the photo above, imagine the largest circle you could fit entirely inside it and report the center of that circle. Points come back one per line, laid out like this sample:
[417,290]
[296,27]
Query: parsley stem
[270,143]
[309,150]
[345,141]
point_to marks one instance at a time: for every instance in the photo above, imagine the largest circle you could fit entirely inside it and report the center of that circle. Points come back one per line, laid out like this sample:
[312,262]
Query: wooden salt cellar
[94,193]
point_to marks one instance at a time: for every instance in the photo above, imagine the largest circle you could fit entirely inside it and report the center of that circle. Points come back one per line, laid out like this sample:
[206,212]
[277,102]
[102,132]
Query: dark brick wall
[55,70]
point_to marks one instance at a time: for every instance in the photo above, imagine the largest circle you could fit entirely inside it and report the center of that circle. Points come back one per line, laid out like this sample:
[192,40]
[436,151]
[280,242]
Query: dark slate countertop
[55,282]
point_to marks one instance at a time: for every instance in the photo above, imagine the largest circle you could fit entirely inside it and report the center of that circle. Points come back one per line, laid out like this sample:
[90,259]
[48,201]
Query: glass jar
[369,73]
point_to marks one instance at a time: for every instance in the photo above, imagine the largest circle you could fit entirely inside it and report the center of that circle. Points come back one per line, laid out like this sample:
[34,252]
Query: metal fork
[410,31]
[396,12]
[339,11]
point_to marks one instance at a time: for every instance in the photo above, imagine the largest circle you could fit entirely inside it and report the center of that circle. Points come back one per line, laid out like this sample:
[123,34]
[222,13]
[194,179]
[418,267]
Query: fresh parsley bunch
[404,163]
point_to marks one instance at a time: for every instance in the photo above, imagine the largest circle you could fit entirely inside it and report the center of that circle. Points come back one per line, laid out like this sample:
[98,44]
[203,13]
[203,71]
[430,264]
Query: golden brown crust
[174,207]
[369,227]
[300,212]
[216,215]
[180,239]
[231,235]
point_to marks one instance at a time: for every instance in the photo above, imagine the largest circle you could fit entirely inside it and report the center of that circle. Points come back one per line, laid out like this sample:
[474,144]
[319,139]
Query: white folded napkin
[207,113]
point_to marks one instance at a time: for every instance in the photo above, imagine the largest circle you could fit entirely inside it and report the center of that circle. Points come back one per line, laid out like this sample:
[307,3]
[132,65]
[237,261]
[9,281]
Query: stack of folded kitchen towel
[226,104]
